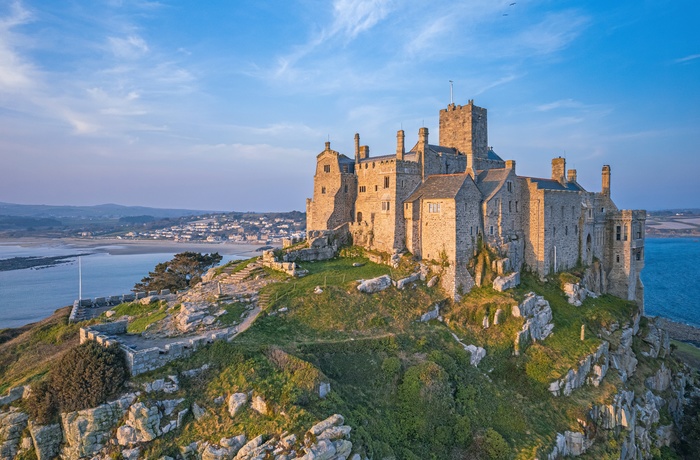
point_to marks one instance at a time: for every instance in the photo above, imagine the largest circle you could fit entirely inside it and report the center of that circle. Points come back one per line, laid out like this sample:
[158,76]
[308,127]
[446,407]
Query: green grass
[140,324]
[688,353]
[233,313]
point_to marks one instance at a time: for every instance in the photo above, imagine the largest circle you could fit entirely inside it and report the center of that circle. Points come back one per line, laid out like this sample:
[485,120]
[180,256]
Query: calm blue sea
[33,294]
[671,280]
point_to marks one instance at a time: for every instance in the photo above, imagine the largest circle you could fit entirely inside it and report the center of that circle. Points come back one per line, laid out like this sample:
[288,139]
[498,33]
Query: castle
[440,201]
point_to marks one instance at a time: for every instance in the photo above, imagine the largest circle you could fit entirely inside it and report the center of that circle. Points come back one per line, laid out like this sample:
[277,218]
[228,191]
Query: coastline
[114,246]
[681,331]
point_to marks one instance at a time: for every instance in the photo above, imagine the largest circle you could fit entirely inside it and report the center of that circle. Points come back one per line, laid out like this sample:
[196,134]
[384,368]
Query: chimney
[357,147]
[559,170]
[328,145]
[606,180]
[571,175]
[400,150]
[364,152]
[510,164]
[423,136]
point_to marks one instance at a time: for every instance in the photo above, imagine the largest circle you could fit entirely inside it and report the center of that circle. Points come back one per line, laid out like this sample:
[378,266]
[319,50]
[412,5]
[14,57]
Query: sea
[29,295]
[671,279]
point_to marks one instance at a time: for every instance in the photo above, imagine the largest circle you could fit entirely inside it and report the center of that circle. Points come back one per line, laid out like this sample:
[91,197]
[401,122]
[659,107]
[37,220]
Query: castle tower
[606,181]
[464,127]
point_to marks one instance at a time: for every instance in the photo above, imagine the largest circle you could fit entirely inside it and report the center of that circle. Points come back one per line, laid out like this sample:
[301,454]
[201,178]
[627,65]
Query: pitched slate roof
[551,184]
[490,181]
[439,186]
[491,155]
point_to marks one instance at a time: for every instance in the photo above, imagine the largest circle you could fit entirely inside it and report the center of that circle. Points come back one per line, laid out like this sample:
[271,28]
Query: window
[491,230]
[562,212]
[327,168]
[386,182]
[516,206]
[346,188]
[363,188]
[510,206]
[554,231]
[576,229]
[618,235]
[573,211]
[566,230]
[323,189]
[345,168]
[434,207]
[617,258]
[624,237]
[602,209]
[359,217]
[639,255]
[590,213]
[471,230]
[376,188]
[639,231]
[509,184]
[385,205]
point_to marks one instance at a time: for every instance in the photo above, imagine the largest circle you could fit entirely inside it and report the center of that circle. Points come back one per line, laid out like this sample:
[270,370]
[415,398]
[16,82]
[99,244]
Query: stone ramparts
[148,359]
[79,305]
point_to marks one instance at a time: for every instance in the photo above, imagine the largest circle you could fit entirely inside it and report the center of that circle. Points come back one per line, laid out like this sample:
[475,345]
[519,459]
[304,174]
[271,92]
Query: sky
[222,105]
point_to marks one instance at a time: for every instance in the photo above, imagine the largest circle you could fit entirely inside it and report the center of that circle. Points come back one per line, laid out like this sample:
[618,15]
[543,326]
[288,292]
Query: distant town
[217,228]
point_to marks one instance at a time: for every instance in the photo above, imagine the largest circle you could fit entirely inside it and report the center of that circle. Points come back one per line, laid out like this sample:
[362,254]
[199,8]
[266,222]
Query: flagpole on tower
[80,278]
[451,98]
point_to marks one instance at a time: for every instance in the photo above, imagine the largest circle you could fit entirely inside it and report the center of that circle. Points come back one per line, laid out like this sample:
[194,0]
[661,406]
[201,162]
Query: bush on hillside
[86,376]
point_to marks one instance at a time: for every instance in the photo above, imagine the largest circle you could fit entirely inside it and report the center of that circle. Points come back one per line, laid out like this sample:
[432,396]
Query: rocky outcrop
[538,316]
[660,381]
[403,282]
[47,440]
[502,283]
[590,370]
[12,424]
[259,405]
[375,284]
[477,353]
[87,431]
[623,359]
[434,313]
[570,444]
[576,294]
[14,394]
[658,340]
[236,403]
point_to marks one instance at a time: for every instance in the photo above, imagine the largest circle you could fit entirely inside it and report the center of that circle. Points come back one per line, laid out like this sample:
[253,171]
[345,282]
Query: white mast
[451,99]
[80,278]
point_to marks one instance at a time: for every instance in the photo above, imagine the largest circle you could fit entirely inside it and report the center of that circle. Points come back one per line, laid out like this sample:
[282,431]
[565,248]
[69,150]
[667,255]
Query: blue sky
[224,105]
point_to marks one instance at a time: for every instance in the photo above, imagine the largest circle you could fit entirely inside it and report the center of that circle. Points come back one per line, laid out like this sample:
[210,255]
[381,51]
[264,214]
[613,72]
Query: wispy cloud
[691,57]
[560,104]
[16,73]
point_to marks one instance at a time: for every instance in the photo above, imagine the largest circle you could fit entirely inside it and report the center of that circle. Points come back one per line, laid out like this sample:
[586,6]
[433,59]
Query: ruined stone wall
[464,127]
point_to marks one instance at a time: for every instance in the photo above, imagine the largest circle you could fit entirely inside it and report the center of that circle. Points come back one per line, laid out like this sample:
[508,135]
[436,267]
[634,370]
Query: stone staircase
[234,278]
[264,300]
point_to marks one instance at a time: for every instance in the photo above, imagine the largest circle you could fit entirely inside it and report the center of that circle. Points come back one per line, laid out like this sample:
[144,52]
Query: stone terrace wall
[111,301]
[148,359]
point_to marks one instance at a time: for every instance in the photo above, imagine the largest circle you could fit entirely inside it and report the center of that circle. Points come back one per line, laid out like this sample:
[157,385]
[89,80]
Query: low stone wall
[80,304]
[148,359]
[290,268]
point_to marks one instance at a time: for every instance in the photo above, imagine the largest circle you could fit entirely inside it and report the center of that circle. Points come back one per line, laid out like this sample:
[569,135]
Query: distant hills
[100,211]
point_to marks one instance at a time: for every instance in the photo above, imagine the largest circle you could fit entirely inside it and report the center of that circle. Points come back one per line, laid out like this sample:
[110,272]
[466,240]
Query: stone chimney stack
[559,170]
[510,164]
[606,180]
[571,175]
[400,150]
[357,147]
[328,146]
[423,136]
[364,152]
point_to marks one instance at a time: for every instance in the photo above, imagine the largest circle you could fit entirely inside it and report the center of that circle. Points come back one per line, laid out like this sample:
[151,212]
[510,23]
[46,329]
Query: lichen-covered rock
[660,381]
[591,370]
[87,431]
[658,340]
[12,424]
[259,405]
[236,402]
[503,283]
[142,425]
[320,427]
[375,284]
[47,440]
[402,283]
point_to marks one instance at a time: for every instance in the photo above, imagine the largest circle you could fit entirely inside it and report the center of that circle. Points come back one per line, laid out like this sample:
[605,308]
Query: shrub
[84,377]
[87,375]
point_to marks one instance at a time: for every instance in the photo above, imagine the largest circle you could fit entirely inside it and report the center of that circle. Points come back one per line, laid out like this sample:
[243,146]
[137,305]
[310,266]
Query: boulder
[497,317]
[502,283]
[259,405]
[198,411]
[131,454]
[660,381]
[12,424]
[47,440]
[236,402]
[320,427]
[375,284]
[402,283]
[478,353]
[323,389]
[433,281]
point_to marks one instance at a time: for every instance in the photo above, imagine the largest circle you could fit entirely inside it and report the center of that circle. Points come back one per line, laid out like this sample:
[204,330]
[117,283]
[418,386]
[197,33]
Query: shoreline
[114,246]
[680,331]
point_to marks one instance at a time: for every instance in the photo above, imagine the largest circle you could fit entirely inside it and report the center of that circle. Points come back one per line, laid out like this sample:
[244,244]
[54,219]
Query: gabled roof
[441,149]
[491,155]
[439,186]
[490,181]
[551,184]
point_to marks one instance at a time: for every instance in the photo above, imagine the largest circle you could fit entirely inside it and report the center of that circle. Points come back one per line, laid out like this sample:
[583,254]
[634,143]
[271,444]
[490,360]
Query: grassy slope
[368,346]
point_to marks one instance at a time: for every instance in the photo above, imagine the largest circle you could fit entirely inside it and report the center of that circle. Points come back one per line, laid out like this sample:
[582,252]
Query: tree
[184,270]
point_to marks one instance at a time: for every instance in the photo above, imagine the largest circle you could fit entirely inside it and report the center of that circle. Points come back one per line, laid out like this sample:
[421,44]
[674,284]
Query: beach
[115,246]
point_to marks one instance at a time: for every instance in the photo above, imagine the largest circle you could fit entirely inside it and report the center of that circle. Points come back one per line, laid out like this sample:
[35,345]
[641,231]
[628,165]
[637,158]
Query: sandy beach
[116,246]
